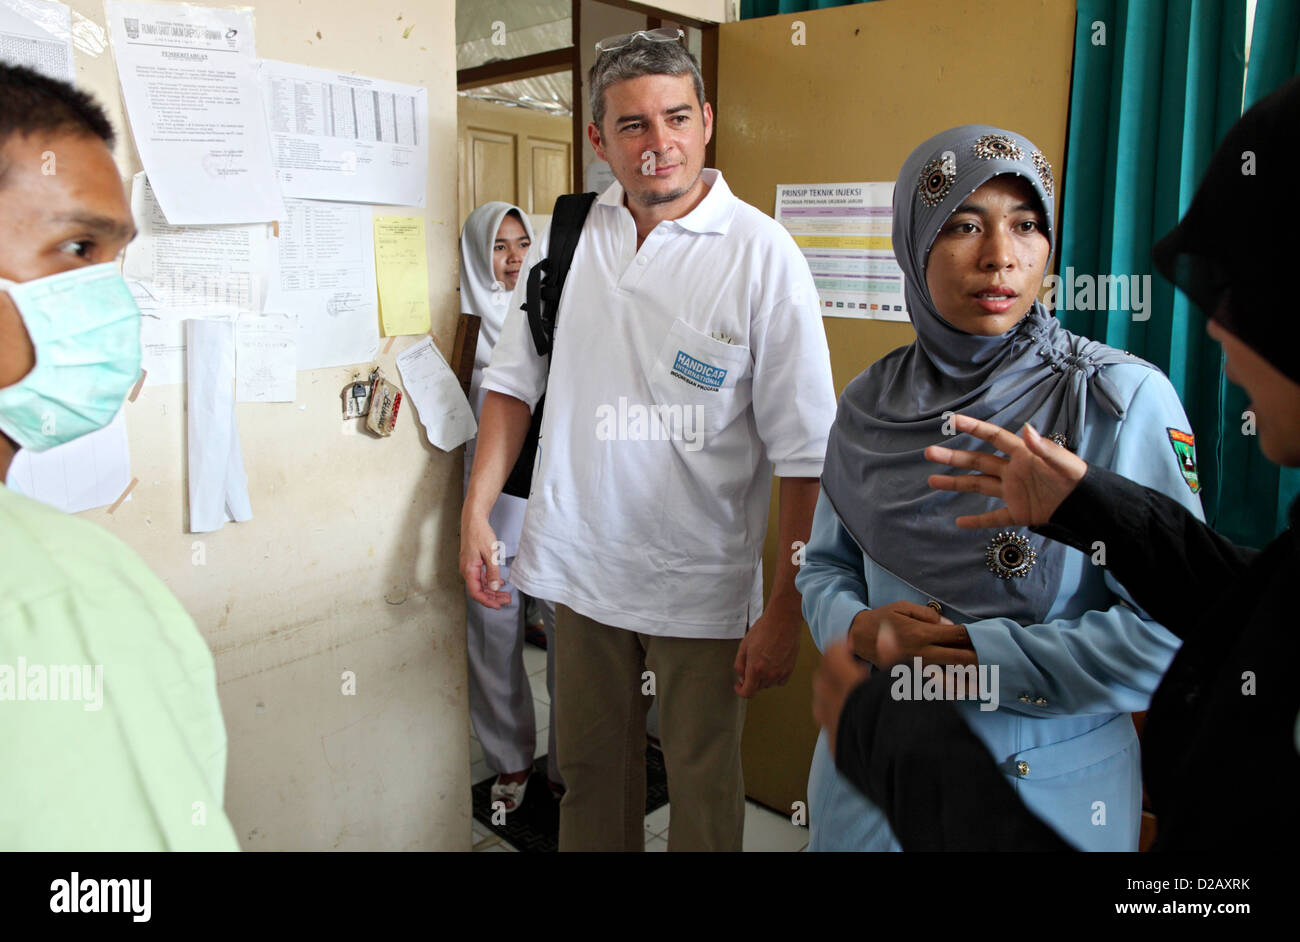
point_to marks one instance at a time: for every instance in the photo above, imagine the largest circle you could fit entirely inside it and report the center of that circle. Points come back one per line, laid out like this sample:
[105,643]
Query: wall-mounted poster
[844,231]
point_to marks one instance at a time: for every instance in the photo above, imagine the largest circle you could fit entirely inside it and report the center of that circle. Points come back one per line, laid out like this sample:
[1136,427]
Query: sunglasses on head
[664,34]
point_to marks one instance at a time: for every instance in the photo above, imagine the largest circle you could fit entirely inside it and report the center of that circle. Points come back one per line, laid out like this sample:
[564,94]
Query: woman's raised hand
[1032,480]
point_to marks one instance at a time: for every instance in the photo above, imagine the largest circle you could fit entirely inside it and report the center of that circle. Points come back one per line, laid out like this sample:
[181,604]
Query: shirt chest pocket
[708,376]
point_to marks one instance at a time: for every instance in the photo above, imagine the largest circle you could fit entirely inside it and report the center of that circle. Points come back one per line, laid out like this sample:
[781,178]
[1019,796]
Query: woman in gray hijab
[1044,654]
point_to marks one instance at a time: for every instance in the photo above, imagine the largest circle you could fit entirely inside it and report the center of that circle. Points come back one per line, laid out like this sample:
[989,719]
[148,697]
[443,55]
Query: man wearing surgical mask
[110,727]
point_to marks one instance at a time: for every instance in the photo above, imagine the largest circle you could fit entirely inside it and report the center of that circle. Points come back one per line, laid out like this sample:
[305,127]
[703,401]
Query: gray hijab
[1038,372]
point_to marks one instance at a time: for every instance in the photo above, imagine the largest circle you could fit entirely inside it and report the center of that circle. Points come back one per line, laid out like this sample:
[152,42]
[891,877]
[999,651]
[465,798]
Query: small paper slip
[435,392]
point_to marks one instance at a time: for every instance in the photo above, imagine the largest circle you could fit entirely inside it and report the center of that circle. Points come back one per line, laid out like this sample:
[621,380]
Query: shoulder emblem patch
[1185,451]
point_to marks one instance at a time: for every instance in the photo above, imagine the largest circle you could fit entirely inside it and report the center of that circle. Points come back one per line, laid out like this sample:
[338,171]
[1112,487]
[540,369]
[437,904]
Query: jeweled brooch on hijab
[1010,556]
[1044,171]
[997,146]
[937,178]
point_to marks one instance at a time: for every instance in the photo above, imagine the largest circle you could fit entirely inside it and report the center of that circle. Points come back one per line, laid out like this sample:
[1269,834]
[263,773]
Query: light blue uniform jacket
[1065,688]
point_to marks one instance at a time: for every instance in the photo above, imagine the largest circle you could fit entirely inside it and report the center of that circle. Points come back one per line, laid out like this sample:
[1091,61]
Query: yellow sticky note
[402,270]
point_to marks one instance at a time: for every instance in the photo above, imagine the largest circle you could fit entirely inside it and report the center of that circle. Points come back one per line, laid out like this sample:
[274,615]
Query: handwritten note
[266,351]
[403,272]
[434,390]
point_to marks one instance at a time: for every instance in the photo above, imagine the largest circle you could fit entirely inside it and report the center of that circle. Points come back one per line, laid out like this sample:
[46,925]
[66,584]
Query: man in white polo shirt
[689,363]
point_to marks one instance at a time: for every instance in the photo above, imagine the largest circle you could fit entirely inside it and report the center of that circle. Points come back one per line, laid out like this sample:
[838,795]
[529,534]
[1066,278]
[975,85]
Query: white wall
[349,562]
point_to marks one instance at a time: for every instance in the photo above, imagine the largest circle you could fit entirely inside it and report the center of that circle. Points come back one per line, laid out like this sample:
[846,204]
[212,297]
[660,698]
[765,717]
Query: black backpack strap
[546,279]
[545,282]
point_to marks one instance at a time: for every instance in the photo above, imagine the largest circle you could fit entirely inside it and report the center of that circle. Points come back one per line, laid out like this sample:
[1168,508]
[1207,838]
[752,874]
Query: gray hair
[640,57]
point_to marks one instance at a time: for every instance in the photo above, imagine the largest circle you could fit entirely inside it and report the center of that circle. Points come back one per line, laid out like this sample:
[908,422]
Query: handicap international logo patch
[1185,450]
[697,372]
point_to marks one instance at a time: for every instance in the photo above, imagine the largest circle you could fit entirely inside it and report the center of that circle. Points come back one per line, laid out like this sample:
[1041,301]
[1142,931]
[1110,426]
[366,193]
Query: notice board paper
[218,486]
[38,34]
[189,81]
[325,276]
[845,233]
[179,272]
[266,358]
[435,392]
[162,350]
[402,269]
[337,136]
[87,472]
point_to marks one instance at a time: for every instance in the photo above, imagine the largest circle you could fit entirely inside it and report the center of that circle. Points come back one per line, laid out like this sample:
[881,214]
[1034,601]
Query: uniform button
[641,260]
[1024,698]
[1041,701]
[1022,768]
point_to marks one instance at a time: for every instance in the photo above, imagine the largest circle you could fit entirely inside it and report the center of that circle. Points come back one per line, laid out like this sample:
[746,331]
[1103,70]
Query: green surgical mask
[85,328]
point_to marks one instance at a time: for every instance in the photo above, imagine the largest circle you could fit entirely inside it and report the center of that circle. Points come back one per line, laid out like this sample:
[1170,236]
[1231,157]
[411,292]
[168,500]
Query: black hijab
[1241,230]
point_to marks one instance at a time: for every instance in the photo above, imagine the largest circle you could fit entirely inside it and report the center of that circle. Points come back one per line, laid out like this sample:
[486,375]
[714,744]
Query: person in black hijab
[1221,750]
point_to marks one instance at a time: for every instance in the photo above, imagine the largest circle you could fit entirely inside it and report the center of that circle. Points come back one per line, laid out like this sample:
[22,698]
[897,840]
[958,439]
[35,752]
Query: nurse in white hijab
[493,244]
[492,249]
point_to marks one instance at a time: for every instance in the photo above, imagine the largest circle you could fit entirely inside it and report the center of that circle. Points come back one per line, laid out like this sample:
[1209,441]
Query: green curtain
[1156,85]
[752,8]
[1245,497]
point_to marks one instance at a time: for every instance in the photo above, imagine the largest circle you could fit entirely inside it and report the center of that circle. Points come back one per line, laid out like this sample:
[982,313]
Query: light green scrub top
[130,757]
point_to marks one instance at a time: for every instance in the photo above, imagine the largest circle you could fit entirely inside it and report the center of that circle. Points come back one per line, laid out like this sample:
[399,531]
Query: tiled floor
[764,830]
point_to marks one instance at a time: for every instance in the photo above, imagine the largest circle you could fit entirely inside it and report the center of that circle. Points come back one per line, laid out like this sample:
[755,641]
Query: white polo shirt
[683,376]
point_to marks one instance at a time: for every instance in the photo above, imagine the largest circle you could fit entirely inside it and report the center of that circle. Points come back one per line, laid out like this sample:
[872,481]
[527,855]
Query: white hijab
[480,292]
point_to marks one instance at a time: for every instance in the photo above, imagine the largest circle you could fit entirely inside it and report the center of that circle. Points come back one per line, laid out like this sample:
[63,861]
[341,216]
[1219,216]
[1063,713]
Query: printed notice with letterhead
[189,80]
[346,137]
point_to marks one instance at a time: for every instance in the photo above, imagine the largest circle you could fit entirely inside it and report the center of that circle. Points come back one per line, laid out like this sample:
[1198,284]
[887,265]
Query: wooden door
[492,170]
[549,169]
[515,155]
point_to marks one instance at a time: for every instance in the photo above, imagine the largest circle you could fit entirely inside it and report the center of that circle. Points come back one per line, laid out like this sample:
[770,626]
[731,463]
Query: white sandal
[511,794]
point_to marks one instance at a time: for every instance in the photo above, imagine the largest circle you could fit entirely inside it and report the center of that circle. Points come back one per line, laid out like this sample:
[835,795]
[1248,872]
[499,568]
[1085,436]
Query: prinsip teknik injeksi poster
[843,230]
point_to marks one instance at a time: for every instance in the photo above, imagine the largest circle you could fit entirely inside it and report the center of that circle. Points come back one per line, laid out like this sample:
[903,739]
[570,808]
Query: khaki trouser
[600,716]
